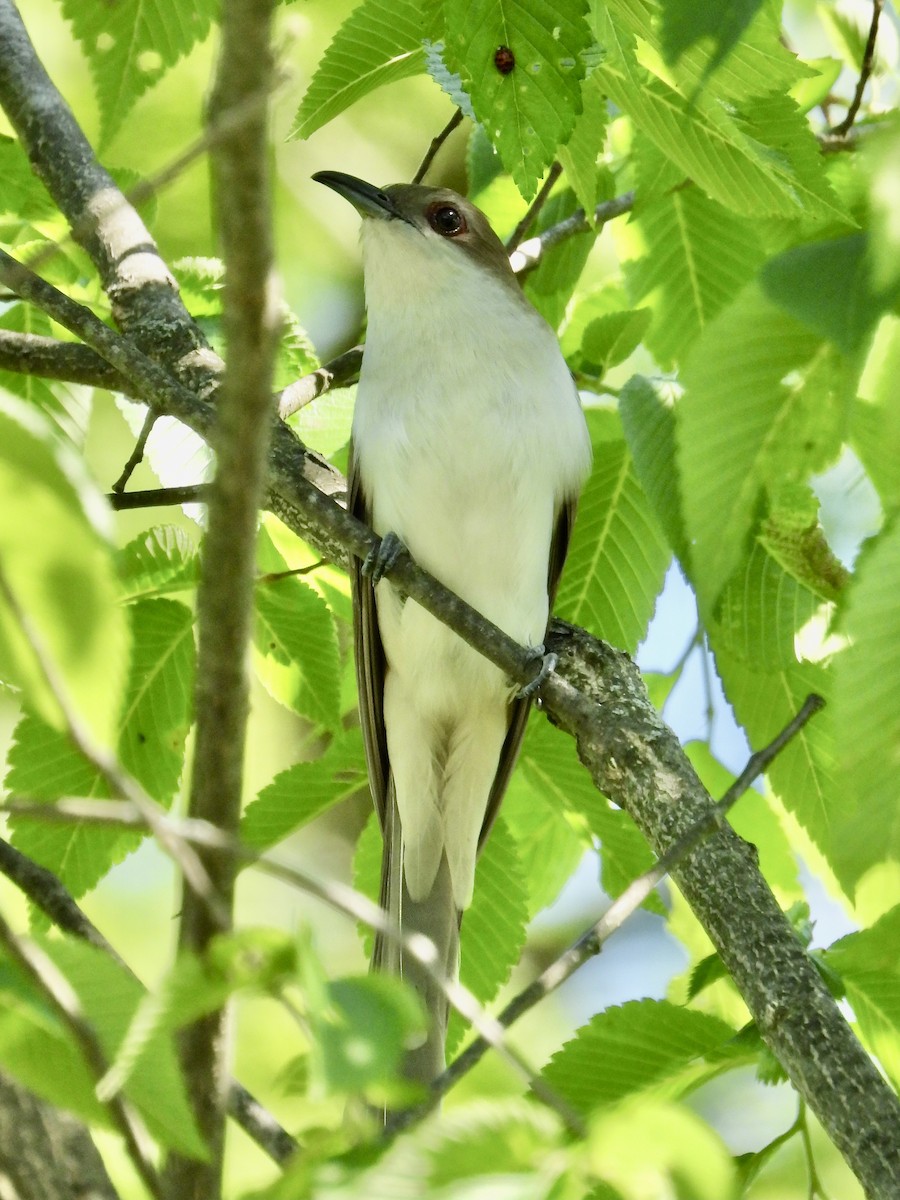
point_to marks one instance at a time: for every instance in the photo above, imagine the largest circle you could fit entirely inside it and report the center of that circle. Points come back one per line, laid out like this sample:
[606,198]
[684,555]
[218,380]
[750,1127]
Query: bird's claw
[379,560]
[548,665]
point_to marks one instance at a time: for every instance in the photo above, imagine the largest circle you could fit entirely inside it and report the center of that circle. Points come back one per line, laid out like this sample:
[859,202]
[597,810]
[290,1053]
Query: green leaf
[131,44]
[109,996]
[492,1142]
[868,963]
[687,257]
[23,195]
[740,395]
[828,286]
[867,707]
[610,339]
[152,727]
[579,156]
[618,557]
[550,286]
[648,420]
[732,166]
[300,793]
[628,1048]
[550,765]
[530,110]
[57,568]
[876,417]
[493,928]
[324,424]
[549,847]
[379,43]
[161,559]
[802,776]
[362,1035]
[685,23]
[761,613]
[67,406]
[650,1148]
[295,642]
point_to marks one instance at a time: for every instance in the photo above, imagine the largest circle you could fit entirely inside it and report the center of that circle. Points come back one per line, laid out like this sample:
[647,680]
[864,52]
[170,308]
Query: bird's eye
[447,220]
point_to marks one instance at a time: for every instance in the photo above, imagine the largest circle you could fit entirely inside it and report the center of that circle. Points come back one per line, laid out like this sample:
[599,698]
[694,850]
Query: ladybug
[504,59]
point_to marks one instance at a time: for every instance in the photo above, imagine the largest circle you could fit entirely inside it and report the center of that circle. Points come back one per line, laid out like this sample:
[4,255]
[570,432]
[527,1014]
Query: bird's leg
[548,664]
[379,560]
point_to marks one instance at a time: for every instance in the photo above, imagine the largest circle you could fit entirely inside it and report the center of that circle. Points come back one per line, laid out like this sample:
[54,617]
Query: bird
[469,447]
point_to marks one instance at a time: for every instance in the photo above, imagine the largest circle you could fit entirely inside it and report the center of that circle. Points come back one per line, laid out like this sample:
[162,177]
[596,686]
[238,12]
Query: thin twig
[55,987]
[527,256]
[192,493]
[50,895]
[865,72]
[628,902]
[137,453]
[436,144]
[119,780]
[534,208]
[340,372]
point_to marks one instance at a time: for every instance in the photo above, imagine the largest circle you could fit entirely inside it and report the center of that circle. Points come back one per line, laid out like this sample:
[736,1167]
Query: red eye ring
[446,219]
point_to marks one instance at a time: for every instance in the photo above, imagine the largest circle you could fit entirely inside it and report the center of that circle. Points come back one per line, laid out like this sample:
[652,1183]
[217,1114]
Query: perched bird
[470,446]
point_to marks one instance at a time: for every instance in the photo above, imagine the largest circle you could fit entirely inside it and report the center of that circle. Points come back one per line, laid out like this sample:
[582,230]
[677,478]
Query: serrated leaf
[866,706]
[757,65]
[152,726]
[57,569]
[324,424]
[550,286]
[130,46]
[380,42]
[162,559]
[618,556]
[548,846]
[802,776]
[731,165]
[687,257]
[23,195]
[628,1048]
[685,23]
[300,793]
[532,108]
[551,767]
[761,612]
[493,928]
[295,642]
[648,421]
[739,396]
[581,152]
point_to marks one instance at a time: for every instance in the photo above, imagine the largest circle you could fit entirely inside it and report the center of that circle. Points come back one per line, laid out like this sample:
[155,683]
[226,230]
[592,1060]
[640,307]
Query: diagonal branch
[865,71]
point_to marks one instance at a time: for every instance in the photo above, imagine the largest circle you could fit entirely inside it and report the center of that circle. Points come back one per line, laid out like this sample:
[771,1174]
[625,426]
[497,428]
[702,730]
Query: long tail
[438,918]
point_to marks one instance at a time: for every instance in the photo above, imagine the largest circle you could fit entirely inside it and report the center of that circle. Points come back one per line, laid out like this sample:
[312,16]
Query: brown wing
[369,655]
[520,709]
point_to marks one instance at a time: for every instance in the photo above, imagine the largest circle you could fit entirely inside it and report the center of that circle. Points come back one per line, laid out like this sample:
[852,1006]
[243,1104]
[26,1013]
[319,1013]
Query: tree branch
[436,143]
[69,362]
[225,594]
[54,1157]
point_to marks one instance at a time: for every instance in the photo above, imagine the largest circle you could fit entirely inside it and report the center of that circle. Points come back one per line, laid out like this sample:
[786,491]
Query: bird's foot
[379,561]
[548,665]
